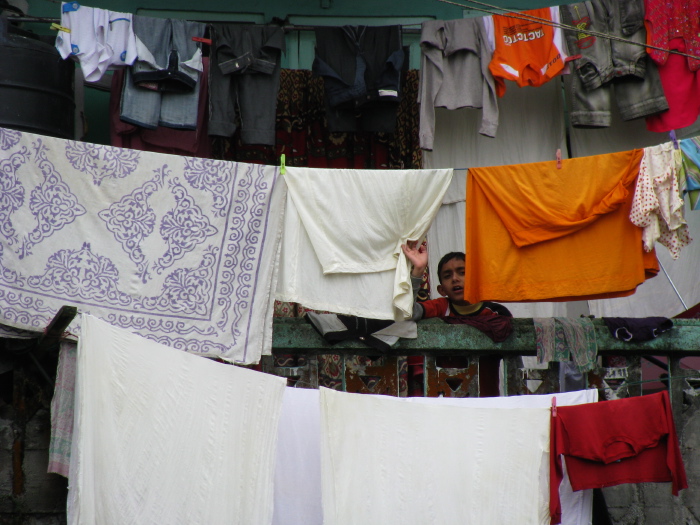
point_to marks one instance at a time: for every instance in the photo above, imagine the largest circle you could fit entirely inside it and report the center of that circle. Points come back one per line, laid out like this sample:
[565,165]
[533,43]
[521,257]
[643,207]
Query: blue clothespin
[674,139]
[283,167]
[70,6]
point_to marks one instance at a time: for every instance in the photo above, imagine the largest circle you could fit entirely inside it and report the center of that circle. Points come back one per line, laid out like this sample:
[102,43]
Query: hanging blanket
[181,250]
[384,460]
[167,437]
[537,232]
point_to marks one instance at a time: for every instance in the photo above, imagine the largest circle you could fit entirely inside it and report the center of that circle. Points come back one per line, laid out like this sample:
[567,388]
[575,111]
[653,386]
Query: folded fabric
[657,206]
[179,249]
[637,329]
[604,444]
[357,221]
[375,333]
[163,436]
[560,338]
[497,327]
[556,233]
[481,472]
[62,404]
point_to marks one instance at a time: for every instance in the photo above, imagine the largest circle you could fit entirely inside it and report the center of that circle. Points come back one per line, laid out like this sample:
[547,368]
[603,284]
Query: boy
[450,272]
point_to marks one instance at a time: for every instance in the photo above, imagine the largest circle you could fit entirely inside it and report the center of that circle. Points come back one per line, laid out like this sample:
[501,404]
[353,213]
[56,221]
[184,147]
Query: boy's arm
[418,257]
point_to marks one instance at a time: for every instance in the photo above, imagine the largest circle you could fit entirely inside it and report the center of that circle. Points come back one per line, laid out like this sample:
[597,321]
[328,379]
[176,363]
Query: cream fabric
[577,507]
[387,461]
[356,221]
[163,436]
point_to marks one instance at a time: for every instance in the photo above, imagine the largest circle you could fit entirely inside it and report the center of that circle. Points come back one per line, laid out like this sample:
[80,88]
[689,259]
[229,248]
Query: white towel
[577,507]
[387,461]
[356,221]
[162,436]
[179,249]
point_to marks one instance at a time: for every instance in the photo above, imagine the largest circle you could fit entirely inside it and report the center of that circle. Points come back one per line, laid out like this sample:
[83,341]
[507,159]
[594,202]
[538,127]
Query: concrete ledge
[296,336]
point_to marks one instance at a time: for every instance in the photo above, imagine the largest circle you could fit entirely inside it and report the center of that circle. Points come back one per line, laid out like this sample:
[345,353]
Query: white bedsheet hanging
[353,223]
[163,436]
[387,461]
[577,507]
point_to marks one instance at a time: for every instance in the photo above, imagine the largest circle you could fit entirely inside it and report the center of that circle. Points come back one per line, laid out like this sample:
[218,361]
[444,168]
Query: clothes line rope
[531,18]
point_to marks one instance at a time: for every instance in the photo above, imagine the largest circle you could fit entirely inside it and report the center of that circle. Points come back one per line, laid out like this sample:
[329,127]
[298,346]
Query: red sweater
[629,440]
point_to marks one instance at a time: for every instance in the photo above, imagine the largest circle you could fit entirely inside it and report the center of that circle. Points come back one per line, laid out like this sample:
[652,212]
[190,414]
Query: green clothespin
[283,167]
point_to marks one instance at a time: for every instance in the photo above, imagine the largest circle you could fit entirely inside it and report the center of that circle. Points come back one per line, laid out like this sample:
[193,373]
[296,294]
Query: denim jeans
[605,63]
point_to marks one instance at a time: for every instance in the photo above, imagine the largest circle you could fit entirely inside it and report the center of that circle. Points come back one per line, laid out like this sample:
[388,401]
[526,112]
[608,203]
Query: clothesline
[531,18]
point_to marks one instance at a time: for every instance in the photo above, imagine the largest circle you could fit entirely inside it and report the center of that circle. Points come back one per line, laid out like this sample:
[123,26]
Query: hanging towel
[356,222]
[604,444]
[657,205]
[689,179]
[179,249]
[576,506]
[62,405]
[559,339]
[536,232]
[162,436]
[479,470]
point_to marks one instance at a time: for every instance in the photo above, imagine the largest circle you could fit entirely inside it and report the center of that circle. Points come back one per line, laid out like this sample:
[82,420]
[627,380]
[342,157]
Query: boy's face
[452,281]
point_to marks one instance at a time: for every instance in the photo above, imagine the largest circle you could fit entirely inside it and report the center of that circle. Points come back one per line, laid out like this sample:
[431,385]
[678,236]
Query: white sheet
[387,461]
[577,507]
[298,467]
[354,222]
[162,436]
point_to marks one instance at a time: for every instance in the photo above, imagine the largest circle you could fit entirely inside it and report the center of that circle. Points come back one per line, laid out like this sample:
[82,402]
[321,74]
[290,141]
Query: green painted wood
[434,336]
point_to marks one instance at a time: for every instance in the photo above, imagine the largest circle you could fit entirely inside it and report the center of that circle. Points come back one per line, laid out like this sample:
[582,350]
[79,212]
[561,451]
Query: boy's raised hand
[418,255]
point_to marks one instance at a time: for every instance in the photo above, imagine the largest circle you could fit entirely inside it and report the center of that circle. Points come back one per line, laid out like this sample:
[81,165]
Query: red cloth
[194,143]
[681,86]
[629,440]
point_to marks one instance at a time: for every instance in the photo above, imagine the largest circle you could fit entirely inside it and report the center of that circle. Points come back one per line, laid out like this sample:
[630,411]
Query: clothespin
[558,158]
[57,27]
[70,6]
[554,406]
[202,40]
[283,167]
[674,139]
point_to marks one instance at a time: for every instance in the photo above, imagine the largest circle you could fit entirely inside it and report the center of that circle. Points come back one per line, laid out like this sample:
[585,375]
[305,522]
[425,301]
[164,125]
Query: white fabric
[356,221]
[387,461]
[298,467]
[179,249]
[532,130]
[657,206]
[162,436]
[98,38]
[301,278]
[577,507]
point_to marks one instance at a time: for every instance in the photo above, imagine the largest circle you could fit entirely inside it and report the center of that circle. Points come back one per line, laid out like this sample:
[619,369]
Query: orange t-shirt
[538,233]
[528,52]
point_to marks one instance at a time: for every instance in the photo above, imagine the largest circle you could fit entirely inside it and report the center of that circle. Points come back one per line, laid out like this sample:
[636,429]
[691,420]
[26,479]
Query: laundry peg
[283,167]
[70,6]
[58,27]
[559,158]
[554,406]
[674,139]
